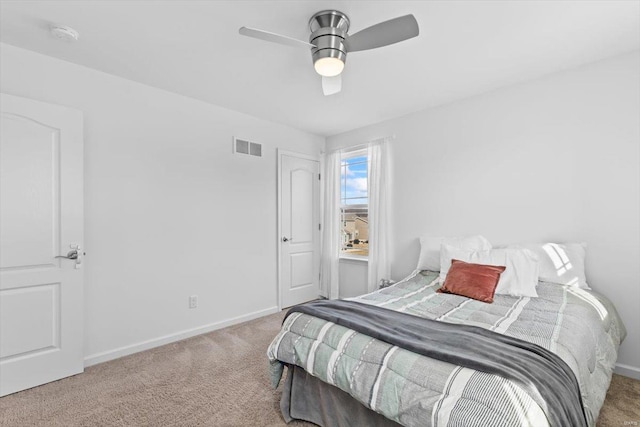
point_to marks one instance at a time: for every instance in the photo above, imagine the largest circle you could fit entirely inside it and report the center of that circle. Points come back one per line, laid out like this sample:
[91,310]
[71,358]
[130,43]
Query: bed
[337,376]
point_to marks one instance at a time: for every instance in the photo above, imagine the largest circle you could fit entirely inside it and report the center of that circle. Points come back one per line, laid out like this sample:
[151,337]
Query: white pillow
[520,277]
[561,263]
[430,249]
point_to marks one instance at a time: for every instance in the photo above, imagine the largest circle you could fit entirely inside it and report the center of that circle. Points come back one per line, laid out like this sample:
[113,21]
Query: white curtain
[378,186]
[329,261]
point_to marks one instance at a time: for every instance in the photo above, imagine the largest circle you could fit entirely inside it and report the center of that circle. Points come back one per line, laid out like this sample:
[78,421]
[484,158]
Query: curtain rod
[359,146]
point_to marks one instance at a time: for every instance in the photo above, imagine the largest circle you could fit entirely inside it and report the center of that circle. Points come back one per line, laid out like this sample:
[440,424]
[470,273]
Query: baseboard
[178,336]
[628,371]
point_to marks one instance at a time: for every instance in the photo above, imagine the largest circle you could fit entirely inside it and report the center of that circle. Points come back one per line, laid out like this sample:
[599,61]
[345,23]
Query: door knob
[285,239]
[76,253]
[70,255]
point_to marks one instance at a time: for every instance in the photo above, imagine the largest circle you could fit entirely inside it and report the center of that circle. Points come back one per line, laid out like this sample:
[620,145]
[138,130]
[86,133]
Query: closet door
[299,229]
[41,218]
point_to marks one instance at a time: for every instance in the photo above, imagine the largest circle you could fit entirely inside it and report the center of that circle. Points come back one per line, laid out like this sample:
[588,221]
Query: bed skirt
[307,398]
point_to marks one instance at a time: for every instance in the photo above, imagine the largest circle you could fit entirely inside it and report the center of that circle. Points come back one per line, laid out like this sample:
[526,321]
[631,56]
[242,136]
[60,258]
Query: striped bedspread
[580,326]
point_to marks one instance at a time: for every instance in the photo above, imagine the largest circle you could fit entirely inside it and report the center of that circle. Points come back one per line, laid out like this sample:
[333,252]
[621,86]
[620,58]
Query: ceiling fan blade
[273,37]
[331,85]
[383,34]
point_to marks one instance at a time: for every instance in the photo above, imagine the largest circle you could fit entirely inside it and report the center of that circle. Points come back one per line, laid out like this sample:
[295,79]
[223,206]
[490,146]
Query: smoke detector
[62,32]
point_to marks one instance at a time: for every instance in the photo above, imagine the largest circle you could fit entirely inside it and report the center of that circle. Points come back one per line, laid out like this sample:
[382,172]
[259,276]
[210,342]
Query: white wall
[169,210]
[553,159]
[353,277]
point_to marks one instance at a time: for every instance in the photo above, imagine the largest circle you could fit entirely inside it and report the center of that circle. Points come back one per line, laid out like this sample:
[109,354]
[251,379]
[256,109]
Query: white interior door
[299,229]
[41,216]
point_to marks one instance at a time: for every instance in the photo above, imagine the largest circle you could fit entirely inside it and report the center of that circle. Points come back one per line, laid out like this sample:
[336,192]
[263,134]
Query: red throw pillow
[477,281]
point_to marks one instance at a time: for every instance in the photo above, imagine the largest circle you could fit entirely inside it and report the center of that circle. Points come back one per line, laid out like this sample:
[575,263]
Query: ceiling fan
[330,43]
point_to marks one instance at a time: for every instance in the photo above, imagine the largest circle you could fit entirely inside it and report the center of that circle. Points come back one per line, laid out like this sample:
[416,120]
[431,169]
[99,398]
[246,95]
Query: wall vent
[242,146]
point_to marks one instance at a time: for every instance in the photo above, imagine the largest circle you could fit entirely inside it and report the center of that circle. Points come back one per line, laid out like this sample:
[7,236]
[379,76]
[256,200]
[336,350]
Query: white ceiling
[193,48]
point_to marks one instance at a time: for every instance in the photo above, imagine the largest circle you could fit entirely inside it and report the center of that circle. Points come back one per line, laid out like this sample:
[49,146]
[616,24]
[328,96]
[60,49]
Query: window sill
[354,258]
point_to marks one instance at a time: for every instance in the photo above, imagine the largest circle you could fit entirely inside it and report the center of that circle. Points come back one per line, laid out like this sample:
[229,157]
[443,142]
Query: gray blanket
[544,375]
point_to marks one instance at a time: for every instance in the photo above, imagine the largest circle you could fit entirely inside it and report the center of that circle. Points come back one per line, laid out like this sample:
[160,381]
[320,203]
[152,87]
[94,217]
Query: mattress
[580,326]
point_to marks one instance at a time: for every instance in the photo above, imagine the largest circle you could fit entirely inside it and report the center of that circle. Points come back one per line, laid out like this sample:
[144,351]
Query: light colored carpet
[216,379]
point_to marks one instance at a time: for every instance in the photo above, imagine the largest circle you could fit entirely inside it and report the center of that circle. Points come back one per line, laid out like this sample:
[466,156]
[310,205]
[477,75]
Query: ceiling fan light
[328,67]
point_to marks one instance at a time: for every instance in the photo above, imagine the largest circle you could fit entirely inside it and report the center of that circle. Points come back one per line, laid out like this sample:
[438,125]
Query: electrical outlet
[193,301]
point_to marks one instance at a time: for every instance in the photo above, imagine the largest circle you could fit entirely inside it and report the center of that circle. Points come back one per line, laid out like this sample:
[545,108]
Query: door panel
[301,269]
[41,216]
[302,217]
[299,225]
[35,315]
[29,186]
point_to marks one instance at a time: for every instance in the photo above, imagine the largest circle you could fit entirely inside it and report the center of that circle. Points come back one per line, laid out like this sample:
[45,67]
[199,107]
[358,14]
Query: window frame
[349,155]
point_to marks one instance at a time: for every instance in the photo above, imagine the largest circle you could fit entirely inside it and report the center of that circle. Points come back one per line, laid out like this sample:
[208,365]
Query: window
[354,204]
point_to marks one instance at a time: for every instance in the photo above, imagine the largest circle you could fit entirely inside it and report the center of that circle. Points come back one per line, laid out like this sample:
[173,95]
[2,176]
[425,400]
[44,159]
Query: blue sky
[354,169]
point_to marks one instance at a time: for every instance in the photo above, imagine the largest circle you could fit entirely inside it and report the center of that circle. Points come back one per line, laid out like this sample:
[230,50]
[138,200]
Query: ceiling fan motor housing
[328,31]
